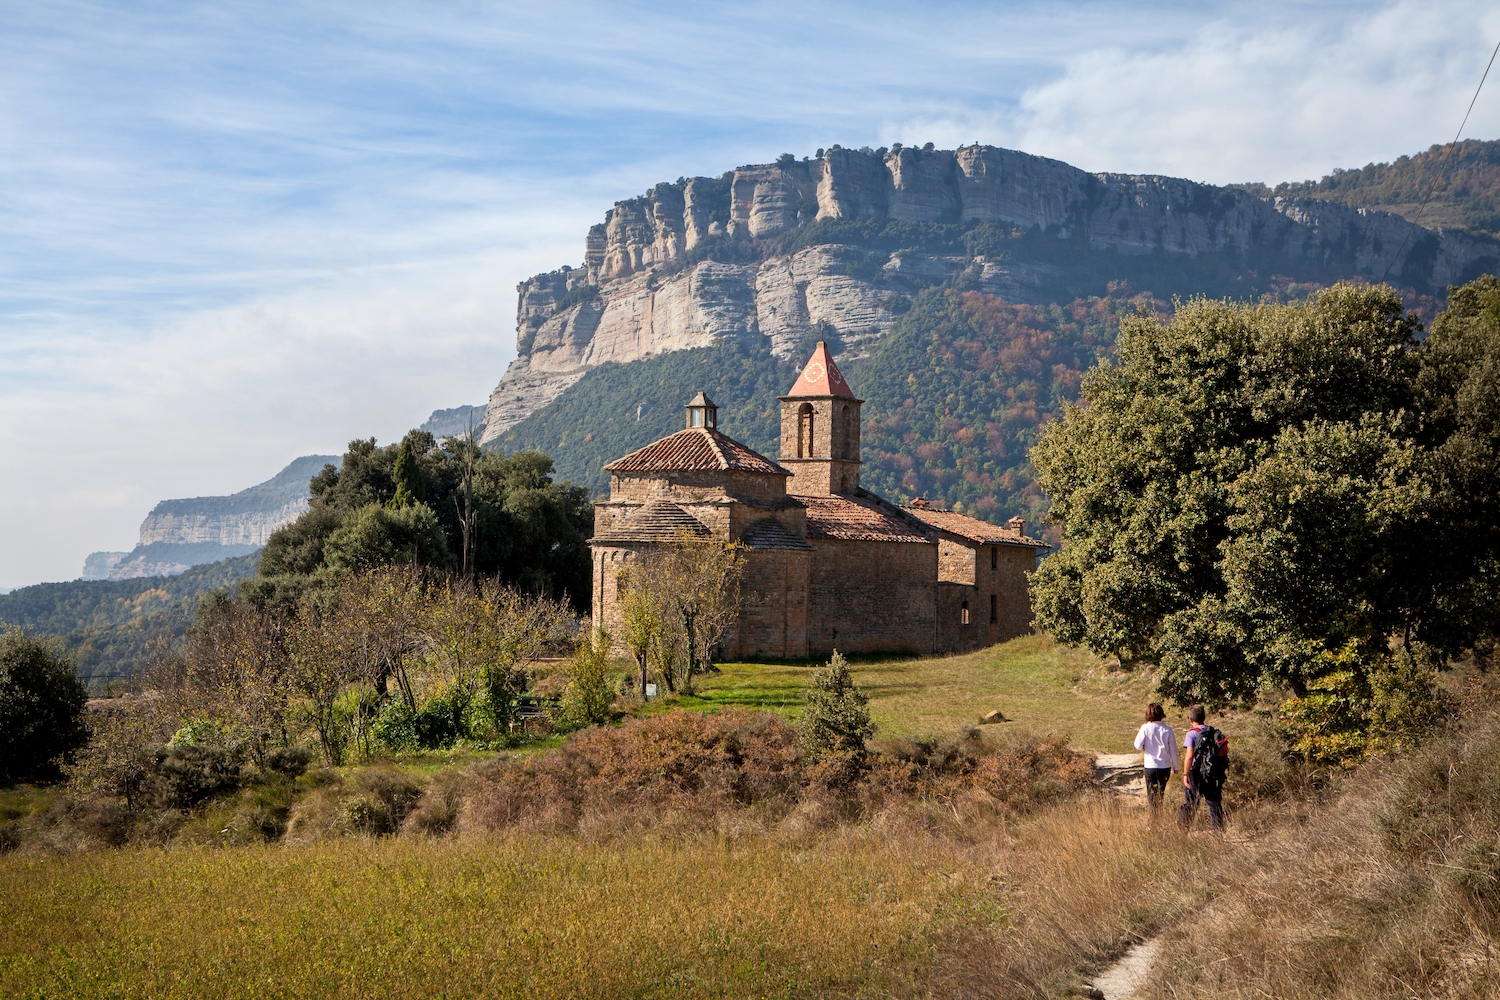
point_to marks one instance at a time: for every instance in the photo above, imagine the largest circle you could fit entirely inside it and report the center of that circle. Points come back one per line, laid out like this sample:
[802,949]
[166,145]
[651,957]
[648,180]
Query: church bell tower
[820,430]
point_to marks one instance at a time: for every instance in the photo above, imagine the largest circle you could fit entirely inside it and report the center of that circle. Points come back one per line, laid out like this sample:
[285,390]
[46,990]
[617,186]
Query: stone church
[828,564]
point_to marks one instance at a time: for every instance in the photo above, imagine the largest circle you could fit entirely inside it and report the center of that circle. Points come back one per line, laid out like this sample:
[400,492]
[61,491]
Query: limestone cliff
[837,242]
[179,534]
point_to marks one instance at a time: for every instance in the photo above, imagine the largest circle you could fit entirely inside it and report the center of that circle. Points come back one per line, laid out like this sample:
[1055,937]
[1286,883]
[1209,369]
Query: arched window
[963,614]
[805,431]
[844,434]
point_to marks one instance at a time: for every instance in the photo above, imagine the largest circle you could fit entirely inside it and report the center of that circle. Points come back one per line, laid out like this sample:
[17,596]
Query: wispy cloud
[240,232]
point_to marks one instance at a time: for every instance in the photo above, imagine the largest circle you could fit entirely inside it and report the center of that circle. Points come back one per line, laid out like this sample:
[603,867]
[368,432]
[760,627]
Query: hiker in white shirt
[1159,744]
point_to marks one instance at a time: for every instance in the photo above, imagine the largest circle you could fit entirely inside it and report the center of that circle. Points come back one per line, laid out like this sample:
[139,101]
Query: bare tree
[322,664]
[236,663]
[684,595]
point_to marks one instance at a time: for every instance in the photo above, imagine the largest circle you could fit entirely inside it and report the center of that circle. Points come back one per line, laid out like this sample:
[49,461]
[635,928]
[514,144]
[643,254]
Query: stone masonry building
[828,564]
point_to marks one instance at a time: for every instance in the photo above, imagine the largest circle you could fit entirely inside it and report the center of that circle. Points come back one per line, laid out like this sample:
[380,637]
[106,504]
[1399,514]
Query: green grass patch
[1042,686]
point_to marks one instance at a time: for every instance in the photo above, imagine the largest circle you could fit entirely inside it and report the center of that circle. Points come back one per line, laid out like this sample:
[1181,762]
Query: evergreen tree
[41,708]
[836,720]
[409,486]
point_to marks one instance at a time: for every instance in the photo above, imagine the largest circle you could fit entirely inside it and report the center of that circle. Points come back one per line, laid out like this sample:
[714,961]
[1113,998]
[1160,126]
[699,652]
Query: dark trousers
[1156,784]
[1212,794]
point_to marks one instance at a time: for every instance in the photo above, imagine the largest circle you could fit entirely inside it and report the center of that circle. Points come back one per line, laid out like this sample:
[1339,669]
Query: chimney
[1017,524]
[920,503]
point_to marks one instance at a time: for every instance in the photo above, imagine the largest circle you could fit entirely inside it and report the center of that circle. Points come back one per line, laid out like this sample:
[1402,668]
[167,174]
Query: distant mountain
[179,534]
[1456,186]
[96,565]
[456,422]
[106,625]
[842,243]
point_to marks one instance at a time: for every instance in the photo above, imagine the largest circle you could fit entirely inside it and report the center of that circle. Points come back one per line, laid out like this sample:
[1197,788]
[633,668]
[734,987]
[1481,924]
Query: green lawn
[1041,685]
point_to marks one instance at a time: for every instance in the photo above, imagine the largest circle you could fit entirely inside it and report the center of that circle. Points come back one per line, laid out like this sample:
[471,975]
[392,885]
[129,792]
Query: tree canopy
[1251,489]
[405,503]
[41,708]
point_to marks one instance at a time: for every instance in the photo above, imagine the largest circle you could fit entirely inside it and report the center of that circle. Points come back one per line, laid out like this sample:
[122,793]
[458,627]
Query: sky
[236,233]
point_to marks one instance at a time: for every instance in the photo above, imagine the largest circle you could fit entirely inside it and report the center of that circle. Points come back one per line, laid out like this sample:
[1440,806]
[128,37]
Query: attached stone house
[828,564]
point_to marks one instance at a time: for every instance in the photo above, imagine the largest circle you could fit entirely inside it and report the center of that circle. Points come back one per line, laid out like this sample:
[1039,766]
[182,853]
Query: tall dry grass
[1390,889]
[896,906]
[514,916]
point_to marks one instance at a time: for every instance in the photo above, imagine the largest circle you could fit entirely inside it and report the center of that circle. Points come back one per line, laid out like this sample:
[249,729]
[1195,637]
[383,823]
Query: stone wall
[774,606]
[992,580]
[872,597]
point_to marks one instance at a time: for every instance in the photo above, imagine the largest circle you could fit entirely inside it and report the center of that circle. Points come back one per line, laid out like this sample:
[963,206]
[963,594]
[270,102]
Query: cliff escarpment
[841,243]
[179,534]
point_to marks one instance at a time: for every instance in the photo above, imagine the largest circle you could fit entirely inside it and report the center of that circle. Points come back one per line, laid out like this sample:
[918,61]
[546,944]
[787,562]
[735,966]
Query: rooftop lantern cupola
[701,412]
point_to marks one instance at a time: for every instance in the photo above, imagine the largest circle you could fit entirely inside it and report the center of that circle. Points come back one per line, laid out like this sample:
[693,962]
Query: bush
[41,709]
[291,761]
[381,801]
[189,774]
[589,695]
[395,728]
[836,720]
[437,724]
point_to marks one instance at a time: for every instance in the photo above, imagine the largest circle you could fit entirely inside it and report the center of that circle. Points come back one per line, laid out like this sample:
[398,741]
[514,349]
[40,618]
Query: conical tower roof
[821,377]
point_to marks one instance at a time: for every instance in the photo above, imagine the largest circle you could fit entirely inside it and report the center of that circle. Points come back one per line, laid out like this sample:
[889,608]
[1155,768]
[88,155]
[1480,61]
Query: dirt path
[1123,773]
[1125,978]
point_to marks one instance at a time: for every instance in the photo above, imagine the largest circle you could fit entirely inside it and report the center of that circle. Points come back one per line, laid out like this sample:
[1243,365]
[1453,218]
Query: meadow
[1043,688]
[950,890]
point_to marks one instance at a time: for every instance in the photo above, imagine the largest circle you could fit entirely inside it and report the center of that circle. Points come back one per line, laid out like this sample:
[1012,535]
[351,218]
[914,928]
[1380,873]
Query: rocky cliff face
[180,534]
[742,255]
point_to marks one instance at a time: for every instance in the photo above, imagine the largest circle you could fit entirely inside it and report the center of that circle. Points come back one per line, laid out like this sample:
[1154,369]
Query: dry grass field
[660,882]
[890,910]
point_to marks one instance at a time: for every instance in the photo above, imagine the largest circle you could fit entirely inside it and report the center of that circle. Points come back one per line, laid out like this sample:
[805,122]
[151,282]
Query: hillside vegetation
[954,397]
[1453,186]
[106,625]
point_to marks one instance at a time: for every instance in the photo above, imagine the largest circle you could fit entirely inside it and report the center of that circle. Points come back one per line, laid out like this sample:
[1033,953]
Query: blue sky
[231,234]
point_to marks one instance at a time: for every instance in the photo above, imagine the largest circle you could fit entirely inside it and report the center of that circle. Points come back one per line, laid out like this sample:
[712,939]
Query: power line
[1422,206]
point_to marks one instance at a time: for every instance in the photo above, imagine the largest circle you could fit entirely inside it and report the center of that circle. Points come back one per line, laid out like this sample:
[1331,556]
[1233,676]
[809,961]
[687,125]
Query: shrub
[291,761]
[437,724]
[41,708]
[188,774]
[589,694]
[381,801]
[395,728]
[683,762]
[836,720]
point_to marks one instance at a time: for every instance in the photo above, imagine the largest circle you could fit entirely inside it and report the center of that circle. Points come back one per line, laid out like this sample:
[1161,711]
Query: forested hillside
[1460,184]
[106,624]
[955,395]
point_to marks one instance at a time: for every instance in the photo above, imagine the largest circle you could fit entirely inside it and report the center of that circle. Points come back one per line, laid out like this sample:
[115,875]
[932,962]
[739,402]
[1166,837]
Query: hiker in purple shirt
[1205,764]
[1158,744]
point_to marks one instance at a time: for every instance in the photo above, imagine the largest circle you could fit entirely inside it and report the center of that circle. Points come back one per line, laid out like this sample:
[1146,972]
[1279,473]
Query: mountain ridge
[194,531]
[844,241]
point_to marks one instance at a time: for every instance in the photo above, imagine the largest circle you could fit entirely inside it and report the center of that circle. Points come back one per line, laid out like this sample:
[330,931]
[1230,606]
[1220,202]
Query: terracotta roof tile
[659,520]
[821,377]
[695,449]
[772,534]
[972,528]
[862,517]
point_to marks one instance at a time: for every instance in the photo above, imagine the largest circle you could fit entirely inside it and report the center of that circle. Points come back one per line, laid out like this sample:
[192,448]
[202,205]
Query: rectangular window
[994,557]
[963,614]
[994,608]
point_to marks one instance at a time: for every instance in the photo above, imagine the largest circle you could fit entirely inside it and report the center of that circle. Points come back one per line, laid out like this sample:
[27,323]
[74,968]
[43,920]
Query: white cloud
[238,233]
[1248,97]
